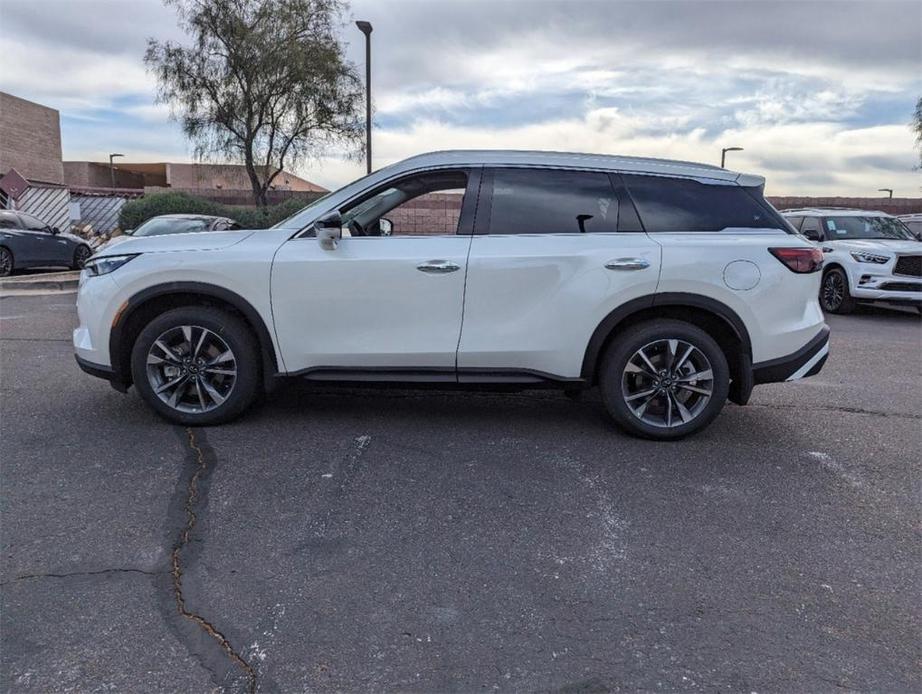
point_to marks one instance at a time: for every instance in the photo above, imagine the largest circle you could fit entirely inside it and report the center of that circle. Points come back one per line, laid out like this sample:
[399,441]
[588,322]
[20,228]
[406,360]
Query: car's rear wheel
[834,294]
[81,255]
[196,365]
[6,262]
[664,379]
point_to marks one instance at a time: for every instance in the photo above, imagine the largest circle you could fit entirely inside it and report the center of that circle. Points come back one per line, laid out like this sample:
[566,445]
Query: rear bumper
[807,361]
[106,373]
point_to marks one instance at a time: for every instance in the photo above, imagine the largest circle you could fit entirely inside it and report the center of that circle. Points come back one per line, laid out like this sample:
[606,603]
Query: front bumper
[807,361]
[871,286]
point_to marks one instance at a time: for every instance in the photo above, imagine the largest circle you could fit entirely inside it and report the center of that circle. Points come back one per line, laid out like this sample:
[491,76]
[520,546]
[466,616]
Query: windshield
[168,225]
[839,228]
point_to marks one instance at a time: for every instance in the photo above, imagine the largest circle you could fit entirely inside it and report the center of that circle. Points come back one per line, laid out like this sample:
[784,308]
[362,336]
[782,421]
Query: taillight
[799,260]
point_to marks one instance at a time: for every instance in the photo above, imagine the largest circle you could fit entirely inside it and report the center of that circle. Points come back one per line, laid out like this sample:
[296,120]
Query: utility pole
[723,154]
[112,167]
[365,28]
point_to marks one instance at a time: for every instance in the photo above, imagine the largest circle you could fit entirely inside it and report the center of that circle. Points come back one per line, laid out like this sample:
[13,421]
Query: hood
[193,241]
[876,245]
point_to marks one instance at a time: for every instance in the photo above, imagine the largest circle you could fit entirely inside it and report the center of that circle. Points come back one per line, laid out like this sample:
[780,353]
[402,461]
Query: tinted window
[532,201]
[866,228]
[811,228]
[8,221]
[675,204]
[795,222]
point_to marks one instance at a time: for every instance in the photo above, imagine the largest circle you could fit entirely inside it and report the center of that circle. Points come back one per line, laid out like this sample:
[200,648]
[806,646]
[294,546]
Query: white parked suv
[672,286]
[869,256]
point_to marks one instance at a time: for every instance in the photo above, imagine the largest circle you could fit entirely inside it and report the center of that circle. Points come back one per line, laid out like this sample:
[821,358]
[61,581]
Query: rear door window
[795,222]
[679,204]
[554,201]
[811,229]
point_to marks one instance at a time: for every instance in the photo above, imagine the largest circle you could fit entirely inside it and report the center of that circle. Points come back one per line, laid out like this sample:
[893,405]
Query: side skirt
[500,379]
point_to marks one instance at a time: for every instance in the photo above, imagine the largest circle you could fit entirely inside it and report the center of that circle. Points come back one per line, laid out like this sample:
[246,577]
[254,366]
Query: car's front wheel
[664,379]
[834,294]
[196,365]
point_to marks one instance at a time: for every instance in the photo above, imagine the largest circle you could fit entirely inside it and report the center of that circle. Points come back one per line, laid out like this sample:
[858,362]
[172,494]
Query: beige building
[30,140]
[186,177]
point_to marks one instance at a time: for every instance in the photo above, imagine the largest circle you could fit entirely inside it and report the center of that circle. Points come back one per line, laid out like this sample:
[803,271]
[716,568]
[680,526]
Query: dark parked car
[26,241]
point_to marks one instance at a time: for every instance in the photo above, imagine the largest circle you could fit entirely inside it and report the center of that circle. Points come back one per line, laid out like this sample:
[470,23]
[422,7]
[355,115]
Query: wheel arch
[717,319]
[141,308]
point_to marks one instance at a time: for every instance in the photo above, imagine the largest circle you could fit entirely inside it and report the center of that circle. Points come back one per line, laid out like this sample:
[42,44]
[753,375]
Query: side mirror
[386,226]
[812,235]
[55,231]
[329,230]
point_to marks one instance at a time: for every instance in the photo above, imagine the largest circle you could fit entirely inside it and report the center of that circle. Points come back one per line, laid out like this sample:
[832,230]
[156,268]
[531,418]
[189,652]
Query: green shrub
[136,212]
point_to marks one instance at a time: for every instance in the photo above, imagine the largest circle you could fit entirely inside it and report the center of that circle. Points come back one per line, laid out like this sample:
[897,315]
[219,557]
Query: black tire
[226,329]
[81,253]
[6,262]
[834,294]
[615,380]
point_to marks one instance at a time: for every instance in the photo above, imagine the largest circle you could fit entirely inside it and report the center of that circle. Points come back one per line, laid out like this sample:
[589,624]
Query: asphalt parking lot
[368,540]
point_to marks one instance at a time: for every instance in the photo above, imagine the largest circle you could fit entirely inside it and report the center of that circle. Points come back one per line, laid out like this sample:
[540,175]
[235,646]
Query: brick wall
[431,214]
[89,174]
[229,177]
[894,206]
[30,140]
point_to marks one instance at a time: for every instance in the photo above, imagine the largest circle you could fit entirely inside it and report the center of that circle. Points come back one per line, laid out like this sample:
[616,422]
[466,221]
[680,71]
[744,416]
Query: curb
[56,281]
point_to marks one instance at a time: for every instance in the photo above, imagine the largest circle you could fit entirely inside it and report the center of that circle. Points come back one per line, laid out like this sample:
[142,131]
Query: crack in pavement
[99,572]
[192,497]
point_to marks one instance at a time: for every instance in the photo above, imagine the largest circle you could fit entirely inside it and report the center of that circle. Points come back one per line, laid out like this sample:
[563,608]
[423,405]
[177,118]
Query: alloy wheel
[191,369]
[81,256]
[833,291]
[6,262]
[667,383]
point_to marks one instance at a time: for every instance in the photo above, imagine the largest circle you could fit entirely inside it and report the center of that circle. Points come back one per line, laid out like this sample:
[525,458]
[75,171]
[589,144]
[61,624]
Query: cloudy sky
[819,94]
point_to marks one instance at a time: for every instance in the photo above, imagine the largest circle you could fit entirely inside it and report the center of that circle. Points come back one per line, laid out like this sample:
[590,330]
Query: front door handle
[627,264]
[438,267]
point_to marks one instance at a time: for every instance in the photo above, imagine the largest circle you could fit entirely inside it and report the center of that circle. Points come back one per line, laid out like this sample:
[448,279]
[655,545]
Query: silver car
[26,241]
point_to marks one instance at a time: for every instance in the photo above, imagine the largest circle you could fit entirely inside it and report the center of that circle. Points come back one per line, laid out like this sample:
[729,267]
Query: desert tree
[264,83]
[917,127]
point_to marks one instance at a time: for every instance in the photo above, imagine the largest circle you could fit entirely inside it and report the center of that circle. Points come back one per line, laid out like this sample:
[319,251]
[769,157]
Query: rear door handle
[627,264]
[437,267]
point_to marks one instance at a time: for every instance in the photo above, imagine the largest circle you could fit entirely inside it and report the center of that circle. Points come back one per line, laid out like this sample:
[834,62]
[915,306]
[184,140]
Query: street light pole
[723,154]
[886,190]
[112,167]
[365,28]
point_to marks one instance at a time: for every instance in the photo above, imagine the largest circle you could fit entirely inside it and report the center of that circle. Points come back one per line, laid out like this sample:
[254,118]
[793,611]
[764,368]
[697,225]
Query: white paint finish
[240,264]
[781,312]
[533,301]
[366,304]
[742,275]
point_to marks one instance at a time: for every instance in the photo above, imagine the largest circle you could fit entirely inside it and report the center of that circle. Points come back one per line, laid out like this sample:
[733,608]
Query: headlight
[106,264]
[871,258]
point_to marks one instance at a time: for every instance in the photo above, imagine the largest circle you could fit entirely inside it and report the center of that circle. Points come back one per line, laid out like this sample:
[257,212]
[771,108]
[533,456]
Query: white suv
[869,256]
[672,286]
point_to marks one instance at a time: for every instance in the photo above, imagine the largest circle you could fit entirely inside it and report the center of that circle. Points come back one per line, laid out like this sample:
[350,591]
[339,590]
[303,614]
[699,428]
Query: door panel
[556,251]
[533,301]
[368,304]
